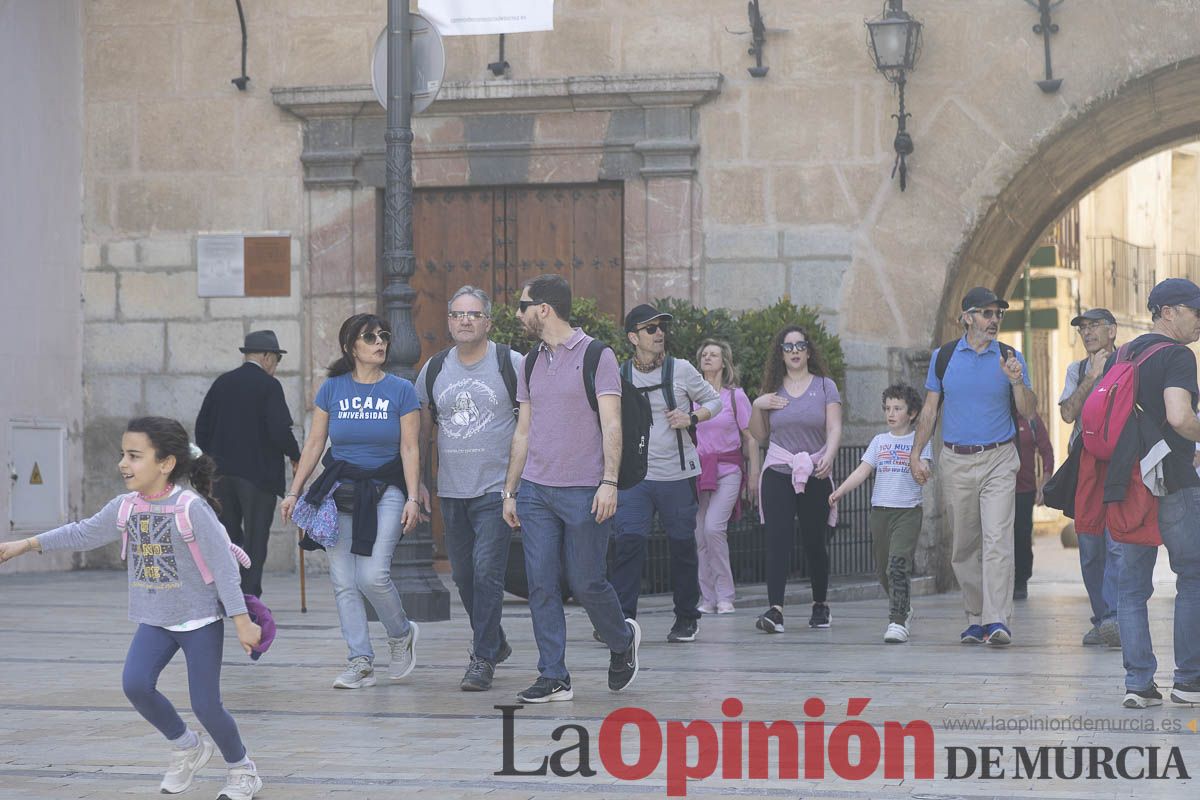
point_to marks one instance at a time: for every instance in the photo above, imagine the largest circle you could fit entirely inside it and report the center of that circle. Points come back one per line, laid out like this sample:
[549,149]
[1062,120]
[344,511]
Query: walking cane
[303,593]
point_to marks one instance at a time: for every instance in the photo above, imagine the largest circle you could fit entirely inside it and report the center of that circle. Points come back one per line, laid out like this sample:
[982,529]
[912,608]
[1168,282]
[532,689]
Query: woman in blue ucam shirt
[370,418]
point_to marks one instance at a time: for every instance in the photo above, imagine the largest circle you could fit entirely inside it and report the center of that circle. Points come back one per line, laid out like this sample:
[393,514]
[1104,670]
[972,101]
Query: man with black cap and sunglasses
[985,386]
[244,424]
[679,398]
[1099,554]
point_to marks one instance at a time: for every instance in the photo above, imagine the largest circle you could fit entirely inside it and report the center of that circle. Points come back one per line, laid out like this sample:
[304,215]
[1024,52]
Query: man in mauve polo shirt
[561,489]
[979,461]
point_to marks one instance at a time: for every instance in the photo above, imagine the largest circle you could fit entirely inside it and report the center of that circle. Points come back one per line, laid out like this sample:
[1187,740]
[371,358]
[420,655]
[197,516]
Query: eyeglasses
[654,328]
[374,337]
[1092,326]
[989,313]
[522,305]
[794,347]
[471,315]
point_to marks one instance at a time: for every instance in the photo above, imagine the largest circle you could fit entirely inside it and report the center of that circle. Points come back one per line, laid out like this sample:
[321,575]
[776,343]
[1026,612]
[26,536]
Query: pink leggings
[712,545]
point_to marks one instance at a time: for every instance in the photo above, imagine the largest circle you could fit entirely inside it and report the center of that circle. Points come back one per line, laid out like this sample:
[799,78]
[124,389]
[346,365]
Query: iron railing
[1120,274]
[1182,265]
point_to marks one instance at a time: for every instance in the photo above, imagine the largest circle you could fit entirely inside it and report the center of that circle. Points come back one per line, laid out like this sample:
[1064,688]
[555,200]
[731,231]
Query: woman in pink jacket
[798,416]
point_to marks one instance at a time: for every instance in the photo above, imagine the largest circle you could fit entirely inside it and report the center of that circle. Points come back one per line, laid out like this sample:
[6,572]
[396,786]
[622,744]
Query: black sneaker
[504,652]
[1187,694]
[821,618]
[684,630]
[1020,591]
[623,667]
[1143,699]
[478,677]
[770,621]
[547,690]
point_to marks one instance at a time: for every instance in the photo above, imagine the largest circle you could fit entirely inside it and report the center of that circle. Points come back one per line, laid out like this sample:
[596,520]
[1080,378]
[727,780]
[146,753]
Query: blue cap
[1174,292]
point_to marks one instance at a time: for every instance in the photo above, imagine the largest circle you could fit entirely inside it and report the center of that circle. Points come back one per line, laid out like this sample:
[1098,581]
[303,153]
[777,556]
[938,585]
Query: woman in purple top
[798,412]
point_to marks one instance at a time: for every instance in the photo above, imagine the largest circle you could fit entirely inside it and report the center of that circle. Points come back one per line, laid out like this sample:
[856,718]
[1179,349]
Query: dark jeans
[1023,538]
[782,506]
[477,539]
[676,505]
[151,650]
[246,513]
[557,528]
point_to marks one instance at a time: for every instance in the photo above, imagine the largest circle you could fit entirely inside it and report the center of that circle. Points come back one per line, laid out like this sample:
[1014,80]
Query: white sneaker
[185,764]
[404,653]
[242,783]
[706,608]
[896,633]
[724,607]
[359,673]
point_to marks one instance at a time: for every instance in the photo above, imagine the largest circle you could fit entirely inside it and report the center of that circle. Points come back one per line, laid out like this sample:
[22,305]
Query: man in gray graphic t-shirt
[467,408]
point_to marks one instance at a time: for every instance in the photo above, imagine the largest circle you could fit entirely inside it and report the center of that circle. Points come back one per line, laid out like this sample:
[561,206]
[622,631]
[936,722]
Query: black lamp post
[895,40]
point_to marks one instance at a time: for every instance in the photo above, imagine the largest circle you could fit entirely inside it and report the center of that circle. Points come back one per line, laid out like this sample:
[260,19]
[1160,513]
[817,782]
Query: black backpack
[668,390]
[946,352]
[635,415]
[503,361]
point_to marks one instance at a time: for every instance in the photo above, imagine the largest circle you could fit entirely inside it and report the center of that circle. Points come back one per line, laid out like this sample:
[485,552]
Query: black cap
[261,342]
[643,314]
[1096,315]
[1174,292]
[981,296]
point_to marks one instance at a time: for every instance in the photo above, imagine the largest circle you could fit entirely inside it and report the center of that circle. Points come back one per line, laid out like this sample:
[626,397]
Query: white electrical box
[37,472]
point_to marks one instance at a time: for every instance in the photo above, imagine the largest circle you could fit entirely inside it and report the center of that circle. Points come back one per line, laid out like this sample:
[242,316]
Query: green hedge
[749,333]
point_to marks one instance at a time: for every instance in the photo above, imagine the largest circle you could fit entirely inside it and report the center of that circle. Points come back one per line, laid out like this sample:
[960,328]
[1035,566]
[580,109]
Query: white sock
[186,742]
[244,762]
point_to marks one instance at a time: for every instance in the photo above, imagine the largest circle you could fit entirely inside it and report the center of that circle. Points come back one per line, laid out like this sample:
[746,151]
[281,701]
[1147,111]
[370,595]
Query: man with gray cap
[244,424]
[680,398]
[1166,394]
[986,387]
[1099,555]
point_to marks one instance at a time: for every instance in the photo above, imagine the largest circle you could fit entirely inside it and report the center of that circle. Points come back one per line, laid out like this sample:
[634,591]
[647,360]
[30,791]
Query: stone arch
[1148,113]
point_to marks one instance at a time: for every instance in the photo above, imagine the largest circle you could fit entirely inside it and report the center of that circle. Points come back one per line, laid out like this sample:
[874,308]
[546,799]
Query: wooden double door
[498,238]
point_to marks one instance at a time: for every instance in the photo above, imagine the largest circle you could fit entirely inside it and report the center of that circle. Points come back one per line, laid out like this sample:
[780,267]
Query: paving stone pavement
[67,732]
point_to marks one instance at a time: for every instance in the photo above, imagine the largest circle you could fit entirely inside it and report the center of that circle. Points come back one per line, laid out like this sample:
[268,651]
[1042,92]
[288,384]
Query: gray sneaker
[404,652]
[185,764]
[478,677]
[1110,633]
[359,673]
[1093,638]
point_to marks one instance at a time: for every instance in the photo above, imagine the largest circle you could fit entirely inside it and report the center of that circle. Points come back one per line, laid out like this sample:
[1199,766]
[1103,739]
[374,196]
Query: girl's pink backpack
[134,503]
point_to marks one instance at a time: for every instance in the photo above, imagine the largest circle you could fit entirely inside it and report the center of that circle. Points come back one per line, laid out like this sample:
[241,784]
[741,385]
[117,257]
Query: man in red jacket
[1032,441]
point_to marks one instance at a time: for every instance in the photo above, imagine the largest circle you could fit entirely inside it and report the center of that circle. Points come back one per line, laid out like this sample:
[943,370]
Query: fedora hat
[261,342]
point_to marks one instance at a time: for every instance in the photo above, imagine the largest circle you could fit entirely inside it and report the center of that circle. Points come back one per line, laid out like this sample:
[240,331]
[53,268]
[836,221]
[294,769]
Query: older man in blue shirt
[984,385]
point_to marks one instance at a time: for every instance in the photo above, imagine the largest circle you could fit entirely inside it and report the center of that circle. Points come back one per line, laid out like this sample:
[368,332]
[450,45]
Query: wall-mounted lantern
[895,41]
[1045,28]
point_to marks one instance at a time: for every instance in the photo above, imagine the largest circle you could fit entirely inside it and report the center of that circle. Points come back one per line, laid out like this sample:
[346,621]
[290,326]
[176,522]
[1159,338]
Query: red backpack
[1111,403]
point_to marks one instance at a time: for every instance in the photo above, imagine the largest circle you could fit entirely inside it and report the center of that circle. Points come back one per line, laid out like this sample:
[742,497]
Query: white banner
[482,17]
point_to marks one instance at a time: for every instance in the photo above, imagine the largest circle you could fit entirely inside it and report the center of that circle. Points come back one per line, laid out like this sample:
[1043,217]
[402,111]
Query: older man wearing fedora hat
[244,424]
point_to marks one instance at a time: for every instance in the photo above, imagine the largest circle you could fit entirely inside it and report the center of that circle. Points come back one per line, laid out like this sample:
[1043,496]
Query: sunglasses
[654,328]
[794,347]
[471,315]
[373,337]
[522,305]
[989,313]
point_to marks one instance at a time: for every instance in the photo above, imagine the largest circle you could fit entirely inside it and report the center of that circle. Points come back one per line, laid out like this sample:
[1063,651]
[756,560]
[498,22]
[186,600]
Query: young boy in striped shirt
[895,519]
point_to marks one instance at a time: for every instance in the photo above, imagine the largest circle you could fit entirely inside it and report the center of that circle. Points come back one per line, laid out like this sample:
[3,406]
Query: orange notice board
[244,265]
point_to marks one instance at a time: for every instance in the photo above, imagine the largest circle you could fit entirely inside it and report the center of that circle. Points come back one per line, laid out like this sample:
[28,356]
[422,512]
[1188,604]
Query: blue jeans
[150,651]
[1179,525]
[1100,563]
[676,504]
[557,527]
[355,577]
[477,539]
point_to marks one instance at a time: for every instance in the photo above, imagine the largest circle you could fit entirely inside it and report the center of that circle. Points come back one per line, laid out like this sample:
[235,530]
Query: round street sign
[428,61]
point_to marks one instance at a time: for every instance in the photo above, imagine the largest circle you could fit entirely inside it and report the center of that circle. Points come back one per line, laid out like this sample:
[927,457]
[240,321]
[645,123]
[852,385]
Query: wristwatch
[695,420]
[507,495]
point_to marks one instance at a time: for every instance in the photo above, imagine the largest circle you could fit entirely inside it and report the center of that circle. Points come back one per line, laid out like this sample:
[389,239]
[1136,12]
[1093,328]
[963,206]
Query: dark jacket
[244,424]
[366,519]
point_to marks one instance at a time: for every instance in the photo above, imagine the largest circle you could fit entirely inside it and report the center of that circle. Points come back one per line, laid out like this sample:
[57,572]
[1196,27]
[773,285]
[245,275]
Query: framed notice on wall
[484,17]
[244,265]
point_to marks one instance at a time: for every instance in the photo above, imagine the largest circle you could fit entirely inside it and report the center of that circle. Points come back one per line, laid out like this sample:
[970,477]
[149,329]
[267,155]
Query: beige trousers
[980,495]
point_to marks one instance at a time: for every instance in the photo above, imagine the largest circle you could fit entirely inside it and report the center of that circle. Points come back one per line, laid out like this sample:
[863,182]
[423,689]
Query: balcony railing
[1119,275]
